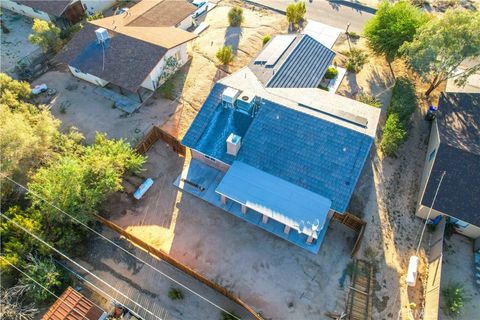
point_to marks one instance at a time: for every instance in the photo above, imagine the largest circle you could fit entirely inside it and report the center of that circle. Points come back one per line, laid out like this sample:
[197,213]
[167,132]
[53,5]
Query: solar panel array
[305,66]
[274,50]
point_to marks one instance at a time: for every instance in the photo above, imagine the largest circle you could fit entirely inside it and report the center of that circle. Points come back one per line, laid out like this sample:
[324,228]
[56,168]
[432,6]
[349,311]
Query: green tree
[46,35]
[296,13]
[440,47]
[28,134]
[225,55]
[16,244]
[235,16]
[48,275]
[391,27]
[266,38]
[77,184]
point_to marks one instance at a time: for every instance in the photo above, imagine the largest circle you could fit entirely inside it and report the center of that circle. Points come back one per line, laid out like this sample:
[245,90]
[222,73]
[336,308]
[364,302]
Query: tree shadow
[232,38]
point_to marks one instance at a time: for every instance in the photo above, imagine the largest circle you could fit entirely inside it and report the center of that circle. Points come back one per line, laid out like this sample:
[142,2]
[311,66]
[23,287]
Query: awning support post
[286,230]
[244,209]
[264,219]
[223,199]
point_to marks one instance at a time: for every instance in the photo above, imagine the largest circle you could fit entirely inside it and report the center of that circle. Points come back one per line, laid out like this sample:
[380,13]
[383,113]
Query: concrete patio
[202,180]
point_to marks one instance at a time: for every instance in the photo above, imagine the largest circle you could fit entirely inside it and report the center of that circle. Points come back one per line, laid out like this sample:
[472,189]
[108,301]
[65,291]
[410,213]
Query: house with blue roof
[271,148]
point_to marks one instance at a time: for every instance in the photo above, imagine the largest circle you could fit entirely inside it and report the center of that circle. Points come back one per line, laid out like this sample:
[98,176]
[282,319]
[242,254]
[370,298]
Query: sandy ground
[202,72]
[90,112]
[15,45]
[277,278]
[457,266]
[139,284]
[387,192]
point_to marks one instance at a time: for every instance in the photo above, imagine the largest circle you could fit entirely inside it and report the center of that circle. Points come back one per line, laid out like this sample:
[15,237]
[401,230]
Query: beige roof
[160,34]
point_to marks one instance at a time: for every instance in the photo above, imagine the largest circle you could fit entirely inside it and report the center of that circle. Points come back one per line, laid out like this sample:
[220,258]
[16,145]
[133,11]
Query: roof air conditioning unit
[233,144]
[245,103]
[102,35]
[229,96]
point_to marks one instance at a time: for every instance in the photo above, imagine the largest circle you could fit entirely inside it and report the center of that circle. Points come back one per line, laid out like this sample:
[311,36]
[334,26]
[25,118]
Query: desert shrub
[356,58]
[455,298]
[229,316]
[235,16]
[96,15]
[225,55]
[296,12]
[331,73]
[175,294]
[399,112]
[368,99]
[68,33]
[266,38]
[394,134]
[46,35]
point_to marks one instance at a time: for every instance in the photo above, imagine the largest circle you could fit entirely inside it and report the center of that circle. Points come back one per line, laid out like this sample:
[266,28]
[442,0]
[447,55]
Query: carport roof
[276,198]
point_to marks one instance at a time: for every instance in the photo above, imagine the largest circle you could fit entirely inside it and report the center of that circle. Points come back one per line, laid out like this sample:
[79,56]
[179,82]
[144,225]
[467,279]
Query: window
[177,56]
[432,155]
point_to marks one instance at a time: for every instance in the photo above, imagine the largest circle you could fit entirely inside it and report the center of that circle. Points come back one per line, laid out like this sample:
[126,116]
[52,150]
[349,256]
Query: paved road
[148,288]
[334,13]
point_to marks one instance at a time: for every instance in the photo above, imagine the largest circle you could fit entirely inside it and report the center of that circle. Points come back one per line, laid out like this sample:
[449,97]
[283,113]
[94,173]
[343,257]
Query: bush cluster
[402,105]
[331,73]
[356,58]
[235,17]
[266,38]
[225,54]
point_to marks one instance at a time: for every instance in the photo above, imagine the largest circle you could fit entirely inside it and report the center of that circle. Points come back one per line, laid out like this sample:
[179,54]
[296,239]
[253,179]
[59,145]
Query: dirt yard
[386,195]
[277,278]
[77,104]
[458,266]
[15,44]
[202,72]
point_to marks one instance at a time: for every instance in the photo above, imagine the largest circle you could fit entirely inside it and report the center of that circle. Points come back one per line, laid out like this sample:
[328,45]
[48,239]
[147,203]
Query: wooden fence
[354,223]
[177,264]
[156,134]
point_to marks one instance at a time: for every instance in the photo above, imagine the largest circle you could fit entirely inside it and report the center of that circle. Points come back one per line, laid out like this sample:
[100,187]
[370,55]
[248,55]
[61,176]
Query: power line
[121,248]
[430,211]
[40,285]
[79,266]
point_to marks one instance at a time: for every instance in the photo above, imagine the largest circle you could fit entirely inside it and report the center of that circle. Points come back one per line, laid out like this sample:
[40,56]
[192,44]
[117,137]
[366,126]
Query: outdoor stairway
[359,301]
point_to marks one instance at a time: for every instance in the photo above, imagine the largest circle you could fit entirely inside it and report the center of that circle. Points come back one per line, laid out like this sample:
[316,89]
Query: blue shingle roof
[312,153]
[305,66]
[212,126]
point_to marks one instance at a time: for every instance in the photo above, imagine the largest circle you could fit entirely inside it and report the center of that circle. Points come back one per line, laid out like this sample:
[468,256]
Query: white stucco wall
[186,23]
[433,144]
[151,81]
[208,161]
[88,77]
[24,10]
[92,6]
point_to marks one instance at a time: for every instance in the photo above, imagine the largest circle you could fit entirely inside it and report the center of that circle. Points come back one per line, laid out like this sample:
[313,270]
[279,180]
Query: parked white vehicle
[202,6]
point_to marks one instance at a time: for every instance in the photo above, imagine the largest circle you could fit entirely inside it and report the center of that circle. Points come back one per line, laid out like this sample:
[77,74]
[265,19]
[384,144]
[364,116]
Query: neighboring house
[132,51]
[61,12]
[72,305]
[454,147]
[271,148]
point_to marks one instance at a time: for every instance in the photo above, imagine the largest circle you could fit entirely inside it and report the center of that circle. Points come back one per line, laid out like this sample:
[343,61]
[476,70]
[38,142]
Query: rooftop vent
[229,96]
[102,35]
[233,144]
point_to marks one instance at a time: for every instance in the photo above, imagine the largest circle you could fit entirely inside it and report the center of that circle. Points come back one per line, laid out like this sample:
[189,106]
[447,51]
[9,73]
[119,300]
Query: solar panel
[274,50]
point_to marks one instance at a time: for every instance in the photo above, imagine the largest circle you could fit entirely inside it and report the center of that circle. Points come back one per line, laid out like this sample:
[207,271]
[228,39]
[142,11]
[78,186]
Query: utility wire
[78,265]
[40,285]
[429,212]
[121,248]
